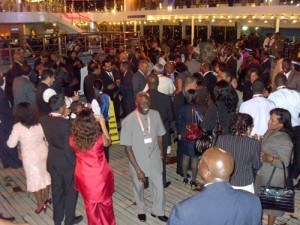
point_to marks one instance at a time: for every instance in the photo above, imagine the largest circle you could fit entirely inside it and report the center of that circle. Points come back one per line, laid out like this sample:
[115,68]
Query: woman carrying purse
[276,148]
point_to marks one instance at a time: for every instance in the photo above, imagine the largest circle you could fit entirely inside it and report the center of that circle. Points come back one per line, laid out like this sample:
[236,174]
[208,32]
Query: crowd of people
[156,91]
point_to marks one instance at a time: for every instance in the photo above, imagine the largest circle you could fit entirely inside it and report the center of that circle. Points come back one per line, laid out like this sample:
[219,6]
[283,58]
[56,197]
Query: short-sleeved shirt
[148,156]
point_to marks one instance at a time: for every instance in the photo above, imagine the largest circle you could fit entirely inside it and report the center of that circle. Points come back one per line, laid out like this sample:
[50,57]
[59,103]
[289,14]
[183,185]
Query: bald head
[152,81]
[280,80]
[216,165]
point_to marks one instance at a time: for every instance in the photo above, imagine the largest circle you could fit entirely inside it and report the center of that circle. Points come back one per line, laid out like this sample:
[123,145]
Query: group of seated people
[155,93]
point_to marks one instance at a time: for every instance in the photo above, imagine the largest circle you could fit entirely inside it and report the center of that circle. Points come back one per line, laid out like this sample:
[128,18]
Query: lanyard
[140,121]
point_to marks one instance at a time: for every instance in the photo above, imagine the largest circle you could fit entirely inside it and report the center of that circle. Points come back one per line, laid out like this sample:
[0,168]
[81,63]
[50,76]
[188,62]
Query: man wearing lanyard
[141,134]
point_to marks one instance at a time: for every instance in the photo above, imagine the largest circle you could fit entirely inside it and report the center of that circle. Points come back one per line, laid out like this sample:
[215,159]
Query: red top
[93,175]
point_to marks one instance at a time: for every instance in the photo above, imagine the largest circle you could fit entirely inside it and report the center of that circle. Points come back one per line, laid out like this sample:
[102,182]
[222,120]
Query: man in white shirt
[166,85]
[289,99]
[259,108]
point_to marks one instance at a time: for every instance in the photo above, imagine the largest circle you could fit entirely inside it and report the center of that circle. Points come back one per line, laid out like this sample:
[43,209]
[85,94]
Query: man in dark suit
[126,89]
[163,104]
[9,156]
[231,63]
[266,68]
[60,162]
[47,80]
[15,71]
[95,59]
[209,79]
[23,89]
[139,80]
[111,81]
[88,83]
[293,77]
[217,203]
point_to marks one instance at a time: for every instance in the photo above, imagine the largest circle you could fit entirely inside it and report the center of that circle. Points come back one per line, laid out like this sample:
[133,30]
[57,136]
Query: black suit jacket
[60,155]
[266,67]
[231,65]
[139,82]
[108,81]
[178,102]
[15,71]
[42,106]
[163,104]
[209,81]
[88,86]
[126,90]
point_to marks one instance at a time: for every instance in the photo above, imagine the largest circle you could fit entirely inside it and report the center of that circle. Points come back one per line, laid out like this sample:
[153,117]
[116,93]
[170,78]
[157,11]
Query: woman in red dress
[93,175]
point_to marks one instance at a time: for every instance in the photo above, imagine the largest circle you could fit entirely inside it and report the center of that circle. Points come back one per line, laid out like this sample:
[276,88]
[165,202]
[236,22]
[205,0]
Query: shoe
[167,184]
[48,200]
[77,219]
[43,208]
[146,183]
[193,183]
[142,217]
[161,218]
[185,181]
[181,174]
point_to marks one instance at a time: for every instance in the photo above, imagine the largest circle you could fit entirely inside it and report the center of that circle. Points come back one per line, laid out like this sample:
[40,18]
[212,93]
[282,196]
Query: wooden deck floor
[21,205]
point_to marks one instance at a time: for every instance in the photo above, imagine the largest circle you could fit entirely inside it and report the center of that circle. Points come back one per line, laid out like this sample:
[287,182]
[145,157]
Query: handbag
[192,131]
[208,139]
[277,198]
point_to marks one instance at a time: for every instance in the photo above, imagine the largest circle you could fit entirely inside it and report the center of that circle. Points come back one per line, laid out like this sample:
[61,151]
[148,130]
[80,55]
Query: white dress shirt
[165,86]
[287,99]
[259,108]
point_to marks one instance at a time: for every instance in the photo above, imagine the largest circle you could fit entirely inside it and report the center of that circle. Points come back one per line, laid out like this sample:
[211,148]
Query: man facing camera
[218,203]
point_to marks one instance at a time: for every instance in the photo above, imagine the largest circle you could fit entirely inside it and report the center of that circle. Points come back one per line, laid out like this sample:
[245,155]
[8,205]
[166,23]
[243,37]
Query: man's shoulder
[129,117]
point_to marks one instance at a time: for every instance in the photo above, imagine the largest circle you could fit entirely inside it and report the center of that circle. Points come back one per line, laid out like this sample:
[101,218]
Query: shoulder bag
[277,198]
[208,139]
[192,131]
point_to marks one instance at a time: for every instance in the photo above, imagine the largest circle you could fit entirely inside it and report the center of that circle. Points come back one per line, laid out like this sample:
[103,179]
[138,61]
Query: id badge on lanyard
[147,137]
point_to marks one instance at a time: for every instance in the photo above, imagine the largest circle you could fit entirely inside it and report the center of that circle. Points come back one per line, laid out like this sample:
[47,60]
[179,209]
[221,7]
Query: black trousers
[179,159]
[64,195]
[164,165]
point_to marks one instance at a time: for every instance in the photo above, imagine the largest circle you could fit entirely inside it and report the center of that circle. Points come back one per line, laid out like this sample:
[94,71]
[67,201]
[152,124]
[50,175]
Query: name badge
[147,140]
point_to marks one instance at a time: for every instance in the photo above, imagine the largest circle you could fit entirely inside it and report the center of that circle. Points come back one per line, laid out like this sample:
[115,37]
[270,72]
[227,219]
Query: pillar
[192,30]
[183,34]
[277,23]
[125,6]
[238,29]
[142,29]
[161,29]
[134,27]
[208,30]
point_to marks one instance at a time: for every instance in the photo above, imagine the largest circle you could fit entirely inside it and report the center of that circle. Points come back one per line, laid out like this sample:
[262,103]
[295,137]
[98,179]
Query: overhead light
[244,28]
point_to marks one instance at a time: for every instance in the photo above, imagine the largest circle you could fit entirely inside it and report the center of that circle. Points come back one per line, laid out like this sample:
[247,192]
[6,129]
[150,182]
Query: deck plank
[21,205]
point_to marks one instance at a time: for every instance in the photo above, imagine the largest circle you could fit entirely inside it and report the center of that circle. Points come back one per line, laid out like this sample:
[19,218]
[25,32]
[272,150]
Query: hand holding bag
[192,131]
[208,139]
[277,198]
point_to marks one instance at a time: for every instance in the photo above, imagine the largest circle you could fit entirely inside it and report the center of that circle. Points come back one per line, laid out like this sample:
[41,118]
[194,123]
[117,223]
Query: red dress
[94,179]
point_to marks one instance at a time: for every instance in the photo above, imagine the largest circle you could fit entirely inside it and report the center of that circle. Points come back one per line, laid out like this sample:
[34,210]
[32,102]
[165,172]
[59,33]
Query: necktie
[111,76]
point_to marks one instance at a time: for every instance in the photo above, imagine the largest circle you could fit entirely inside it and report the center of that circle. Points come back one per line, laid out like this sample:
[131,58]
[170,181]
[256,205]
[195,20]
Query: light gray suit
[23,90]
[148,157]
